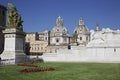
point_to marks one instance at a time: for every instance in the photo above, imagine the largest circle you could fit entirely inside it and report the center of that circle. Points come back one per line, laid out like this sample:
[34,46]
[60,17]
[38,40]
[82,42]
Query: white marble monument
[104,47]
[14,46]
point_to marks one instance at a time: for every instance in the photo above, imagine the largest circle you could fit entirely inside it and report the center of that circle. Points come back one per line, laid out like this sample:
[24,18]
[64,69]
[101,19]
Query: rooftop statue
[14,19]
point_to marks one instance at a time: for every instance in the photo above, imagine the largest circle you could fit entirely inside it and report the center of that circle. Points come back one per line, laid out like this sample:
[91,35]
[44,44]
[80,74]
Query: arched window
[57,40]
[76,32]
[57,29]
[114,49]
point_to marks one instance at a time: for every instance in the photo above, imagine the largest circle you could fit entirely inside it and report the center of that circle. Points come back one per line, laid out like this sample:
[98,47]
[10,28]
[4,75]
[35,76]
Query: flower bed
[34,68]
[37,69]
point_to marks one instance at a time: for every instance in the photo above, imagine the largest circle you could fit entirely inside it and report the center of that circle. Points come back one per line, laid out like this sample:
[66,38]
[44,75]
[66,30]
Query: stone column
[69,45]
[1,42]
[14,46]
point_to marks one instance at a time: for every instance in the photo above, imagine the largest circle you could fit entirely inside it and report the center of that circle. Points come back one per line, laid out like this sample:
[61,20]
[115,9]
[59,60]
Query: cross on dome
[97,27]
[59,17]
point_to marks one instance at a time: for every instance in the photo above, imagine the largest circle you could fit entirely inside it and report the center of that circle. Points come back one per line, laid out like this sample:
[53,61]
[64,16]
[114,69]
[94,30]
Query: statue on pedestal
[14,38]
[14,19]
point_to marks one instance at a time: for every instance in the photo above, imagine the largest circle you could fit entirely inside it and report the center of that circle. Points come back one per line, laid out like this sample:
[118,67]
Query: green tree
[74,38]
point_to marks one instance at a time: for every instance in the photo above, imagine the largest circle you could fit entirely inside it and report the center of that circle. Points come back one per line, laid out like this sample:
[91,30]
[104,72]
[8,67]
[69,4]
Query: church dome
[59,29]
[81,28]
[59,26]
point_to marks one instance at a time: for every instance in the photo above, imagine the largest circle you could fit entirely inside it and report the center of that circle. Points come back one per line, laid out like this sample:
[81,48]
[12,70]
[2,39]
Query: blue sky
[39,15]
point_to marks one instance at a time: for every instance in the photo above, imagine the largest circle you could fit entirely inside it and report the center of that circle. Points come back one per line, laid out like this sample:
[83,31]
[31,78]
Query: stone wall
[111,55]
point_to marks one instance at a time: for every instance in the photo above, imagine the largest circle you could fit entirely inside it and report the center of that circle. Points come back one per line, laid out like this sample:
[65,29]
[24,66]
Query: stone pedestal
[14,46]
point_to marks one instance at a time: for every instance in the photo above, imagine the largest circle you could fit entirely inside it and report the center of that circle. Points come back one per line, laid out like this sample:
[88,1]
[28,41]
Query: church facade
[58,38]
[59,34]
[82,32]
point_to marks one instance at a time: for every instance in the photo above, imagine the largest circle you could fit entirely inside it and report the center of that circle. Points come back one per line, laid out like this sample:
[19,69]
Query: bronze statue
[14,19]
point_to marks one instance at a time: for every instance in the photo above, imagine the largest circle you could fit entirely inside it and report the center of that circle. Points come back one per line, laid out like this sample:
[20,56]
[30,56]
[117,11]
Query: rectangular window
[80,38]
[41,48]
[45,38]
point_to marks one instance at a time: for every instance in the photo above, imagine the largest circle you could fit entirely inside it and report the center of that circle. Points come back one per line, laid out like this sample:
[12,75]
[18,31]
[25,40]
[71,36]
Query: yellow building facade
[38,42]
